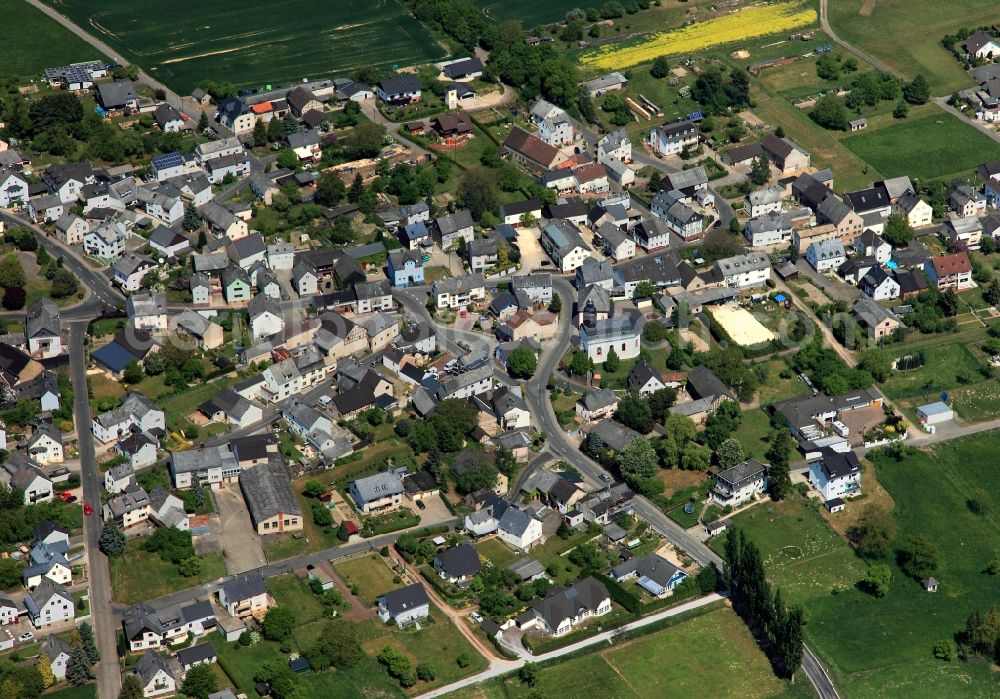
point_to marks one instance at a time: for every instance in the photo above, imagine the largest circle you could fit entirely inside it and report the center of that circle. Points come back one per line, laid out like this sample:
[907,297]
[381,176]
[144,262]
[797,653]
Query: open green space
[826,149]
[801,553]
[370,575]
[906,34]
[753,433]
[684,659]
[925,148]
[38,42]
[942,365]
[291,592]
[880,643]
[552,555]
[496,551]
[185,43]
[140,575]
[437,642]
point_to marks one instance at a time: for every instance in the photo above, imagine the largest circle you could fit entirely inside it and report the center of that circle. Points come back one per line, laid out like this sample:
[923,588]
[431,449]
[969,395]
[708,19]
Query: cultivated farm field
[38,42]
[749,23]
[186,42]
[946,147]
[917,26]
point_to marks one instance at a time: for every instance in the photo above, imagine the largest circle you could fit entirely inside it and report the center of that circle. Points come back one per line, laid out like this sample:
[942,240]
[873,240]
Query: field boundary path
[824,22]
[172,98]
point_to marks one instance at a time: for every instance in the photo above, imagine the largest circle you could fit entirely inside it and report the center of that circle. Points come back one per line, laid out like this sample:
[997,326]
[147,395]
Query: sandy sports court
[741,325]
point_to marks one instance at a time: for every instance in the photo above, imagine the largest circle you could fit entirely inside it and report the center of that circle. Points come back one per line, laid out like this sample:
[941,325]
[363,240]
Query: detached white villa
[739,484]
[836,474]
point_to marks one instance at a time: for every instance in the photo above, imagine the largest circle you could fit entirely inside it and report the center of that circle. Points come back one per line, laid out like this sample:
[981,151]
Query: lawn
[550,555]
[190,42]
[291,592]
[802,554]
[680,660]
[825,148]
[947,146]
[38,43]
[942,364]
[140,575]
[914,44]
[496,551]
[438,642]
[371,576]
[880,643]
[753,433]
[777,388]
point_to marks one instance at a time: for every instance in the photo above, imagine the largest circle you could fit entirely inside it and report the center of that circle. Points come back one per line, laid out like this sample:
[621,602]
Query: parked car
[26,637]
[421,505]
[71,499]
[606,478]
[65,495]
[476,617]
[87,509]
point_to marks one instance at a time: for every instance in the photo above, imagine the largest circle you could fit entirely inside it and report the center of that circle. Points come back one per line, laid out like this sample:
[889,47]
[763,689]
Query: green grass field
[681,660]
[38,43]
[496,551]
[139,575]
[187,42]
[877,644]
[826,149]
[802,554]
[87,691]
[914,43]
[925,148]
[942,363]
[291,592]
[370,574]
[753,433]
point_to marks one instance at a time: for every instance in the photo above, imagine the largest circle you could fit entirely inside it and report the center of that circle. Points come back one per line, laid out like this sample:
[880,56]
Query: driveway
[530,249]
[435,510]
[834,288]
[241,547]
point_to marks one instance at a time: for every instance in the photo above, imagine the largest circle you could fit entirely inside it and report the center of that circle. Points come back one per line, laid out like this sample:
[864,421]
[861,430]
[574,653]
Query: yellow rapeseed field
[738,26]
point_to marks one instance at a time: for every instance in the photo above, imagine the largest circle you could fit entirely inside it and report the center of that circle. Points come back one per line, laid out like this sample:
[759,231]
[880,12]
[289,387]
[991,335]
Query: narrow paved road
[825,24]
[498,668]
[108,674]
[942,102]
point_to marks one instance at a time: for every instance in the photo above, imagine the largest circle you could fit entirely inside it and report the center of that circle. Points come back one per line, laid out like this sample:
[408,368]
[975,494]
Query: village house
[405,606]
[835,474]
[245,595]
[739,484]
[952,271]
[671,139]
[563,609]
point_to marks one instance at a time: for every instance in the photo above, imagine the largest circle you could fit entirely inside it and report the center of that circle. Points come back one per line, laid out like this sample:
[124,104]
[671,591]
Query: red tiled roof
[261,108]
[589,173]
[947,265]
[531,147]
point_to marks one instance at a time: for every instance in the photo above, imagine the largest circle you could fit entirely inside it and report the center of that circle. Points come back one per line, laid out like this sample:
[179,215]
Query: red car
[87,509]
[65,495]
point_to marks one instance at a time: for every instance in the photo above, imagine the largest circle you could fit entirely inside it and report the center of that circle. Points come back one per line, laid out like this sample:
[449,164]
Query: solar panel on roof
[163,162]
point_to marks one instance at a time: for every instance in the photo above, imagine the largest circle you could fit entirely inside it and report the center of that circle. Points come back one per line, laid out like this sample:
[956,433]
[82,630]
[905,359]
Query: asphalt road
[108,674]
[281,568]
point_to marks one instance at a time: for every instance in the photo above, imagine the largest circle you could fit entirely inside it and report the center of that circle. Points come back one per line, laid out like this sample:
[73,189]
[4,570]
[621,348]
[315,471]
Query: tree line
[778,627]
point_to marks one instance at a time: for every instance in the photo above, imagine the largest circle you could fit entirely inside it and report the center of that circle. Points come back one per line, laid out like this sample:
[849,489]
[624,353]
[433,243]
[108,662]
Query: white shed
[934,413]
